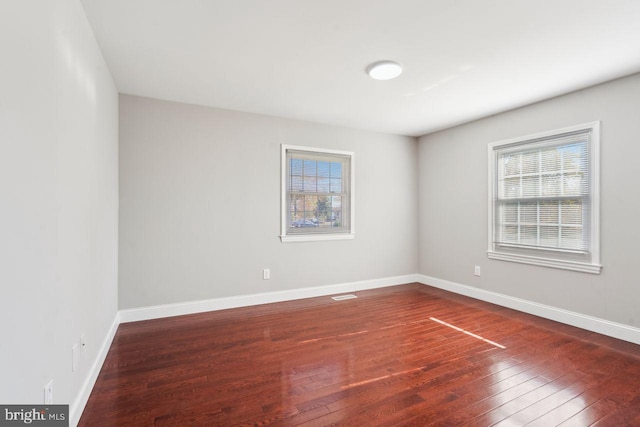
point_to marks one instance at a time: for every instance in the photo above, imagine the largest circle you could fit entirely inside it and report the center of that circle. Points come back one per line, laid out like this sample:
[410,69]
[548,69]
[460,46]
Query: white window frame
[284,211]
[551,258]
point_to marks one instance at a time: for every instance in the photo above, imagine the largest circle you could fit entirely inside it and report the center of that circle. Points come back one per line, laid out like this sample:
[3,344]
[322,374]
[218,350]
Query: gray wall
[200,205]
[453,204]
[59,206]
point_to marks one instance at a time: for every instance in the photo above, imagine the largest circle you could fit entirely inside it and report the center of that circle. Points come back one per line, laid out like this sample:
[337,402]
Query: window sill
[546,262]
[316,237]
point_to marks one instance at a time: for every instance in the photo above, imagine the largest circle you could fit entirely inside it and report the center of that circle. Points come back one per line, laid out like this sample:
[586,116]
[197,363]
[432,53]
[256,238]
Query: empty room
[358,213]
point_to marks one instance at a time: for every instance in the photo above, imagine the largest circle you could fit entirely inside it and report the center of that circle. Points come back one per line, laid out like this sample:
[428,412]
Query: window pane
[510,188]
[310,206]
[572,157]
[549,212]
[296,209]
[323,169]
[296,183]
[296,167]
[509,234]
[529,213]
[309,184]
[550,160]
[309,168]
[530,162]
[336,170]
[323,213]
[296,204]
[573,184]
[511,164]
[572,212]
[336,211]
[549,236]
[571,237]
[323,185]
[295,216]
[336,185]
[551,185]
[510,212]
[528,235]
[530,186]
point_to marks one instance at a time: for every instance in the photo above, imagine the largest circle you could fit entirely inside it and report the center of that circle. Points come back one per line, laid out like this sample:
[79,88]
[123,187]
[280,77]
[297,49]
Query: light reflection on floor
[471,334]
[519,398]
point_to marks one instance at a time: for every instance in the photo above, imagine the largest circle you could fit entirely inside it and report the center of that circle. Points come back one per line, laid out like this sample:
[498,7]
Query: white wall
[453,204]
[200,205]
[59,199]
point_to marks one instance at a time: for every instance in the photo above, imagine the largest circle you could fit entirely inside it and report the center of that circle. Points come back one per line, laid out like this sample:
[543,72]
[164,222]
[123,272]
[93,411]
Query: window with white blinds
[544,199]
[317,194]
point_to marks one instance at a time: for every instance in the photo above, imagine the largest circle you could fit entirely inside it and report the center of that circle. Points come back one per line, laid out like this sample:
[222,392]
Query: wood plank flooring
[405,355]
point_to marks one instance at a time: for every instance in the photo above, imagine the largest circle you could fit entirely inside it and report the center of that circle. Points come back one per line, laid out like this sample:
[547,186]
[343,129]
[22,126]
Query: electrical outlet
[48,393]
[476,271]
[74,358]
[266,274]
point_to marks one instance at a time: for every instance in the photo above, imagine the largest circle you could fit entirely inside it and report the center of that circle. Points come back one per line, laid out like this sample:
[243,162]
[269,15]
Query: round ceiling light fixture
[384,70]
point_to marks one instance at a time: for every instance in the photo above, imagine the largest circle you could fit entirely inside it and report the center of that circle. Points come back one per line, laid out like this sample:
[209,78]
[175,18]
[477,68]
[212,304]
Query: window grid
[522,223]
[308,206]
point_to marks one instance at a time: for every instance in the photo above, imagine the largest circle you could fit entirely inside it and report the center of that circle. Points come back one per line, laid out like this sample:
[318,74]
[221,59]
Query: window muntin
[544,198]
[317,194]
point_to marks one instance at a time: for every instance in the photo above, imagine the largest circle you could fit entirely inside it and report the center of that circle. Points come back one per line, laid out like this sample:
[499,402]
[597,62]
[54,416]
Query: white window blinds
[543,194]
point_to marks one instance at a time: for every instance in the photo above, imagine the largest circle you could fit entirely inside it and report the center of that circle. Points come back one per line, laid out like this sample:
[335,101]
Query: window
[544,201]
[317,194]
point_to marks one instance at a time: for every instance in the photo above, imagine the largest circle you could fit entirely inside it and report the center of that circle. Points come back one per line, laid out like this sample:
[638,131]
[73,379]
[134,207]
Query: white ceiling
[306,59]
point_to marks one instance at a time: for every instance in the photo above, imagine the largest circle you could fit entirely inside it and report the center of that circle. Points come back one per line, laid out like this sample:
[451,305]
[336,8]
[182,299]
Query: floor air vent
[343,297]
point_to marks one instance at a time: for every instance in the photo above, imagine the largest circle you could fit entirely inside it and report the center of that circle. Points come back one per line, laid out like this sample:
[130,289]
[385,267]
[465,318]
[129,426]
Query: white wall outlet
[74,358]
[266,274]
[48,393]
[476,271]
[83,345]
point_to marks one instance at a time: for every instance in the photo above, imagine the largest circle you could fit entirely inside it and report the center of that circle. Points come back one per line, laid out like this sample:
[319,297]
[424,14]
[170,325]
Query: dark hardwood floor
[404,355]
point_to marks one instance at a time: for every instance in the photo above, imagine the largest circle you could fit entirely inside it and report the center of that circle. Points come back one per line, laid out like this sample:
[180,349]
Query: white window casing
[544,199]
[317,194]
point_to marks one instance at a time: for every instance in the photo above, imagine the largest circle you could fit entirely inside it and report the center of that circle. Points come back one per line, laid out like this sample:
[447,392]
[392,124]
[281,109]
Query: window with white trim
[544,200]
[317,194]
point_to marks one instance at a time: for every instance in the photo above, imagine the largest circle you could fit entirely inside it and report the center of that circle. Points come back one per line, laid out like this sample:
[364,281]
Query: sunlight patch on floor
[468,333]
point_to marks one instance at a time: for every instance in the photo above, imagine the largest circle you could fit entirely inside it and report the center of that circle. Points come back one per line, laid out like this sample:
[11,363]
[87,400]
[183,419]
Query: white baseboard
[191,307]
[590,323]
[77,407]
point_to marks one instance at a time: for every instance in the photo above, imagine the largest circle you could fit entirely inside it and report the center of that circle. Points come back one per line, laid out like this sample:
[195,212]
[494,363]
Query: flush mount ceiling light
[384,70]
